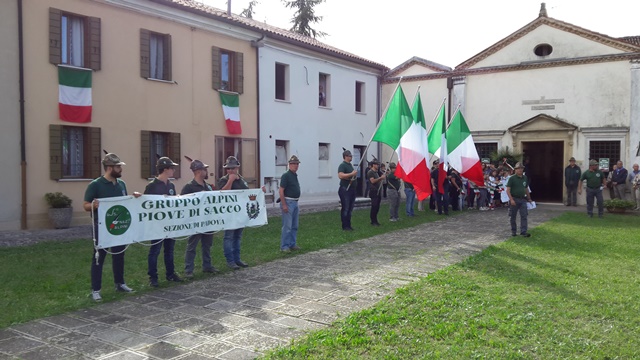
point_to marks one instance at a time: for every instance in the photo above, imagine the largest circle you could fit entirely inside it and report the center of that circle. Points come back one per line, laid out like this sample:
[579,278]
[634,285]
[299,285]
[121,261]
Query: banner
[125,220]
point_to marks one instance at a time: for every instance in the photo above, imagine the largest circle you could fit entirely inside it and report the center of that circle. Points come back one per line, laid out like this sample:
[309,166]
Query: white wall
[9,117]
[303,123]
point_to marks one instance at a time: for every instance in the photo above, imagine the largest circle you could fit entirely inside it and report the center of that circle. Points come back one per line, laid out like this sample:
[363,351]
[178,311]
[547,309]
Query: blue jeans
[190,255]
[231,244]
[411,198]
[442,200]
[521,205]
[597,194]
[154,252]
[347,202]
[289,225]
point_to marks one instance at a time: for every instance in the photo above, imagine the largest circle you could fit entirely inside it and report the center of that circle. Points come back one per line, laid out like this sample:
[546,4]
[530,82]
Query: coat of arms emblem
[253,207]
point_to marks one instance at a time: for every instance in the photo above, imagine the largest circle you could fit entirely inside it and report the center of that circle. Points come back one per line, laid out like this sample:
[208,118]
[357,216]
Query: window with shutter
[227,70]
[74,152]
[74,39]
[155,55]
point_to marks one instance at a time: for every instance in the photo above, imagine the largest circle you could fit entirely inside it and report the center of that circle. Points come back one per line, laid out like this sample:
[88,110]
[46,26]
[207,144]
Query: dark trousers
[572,195]
[521,206]
[375,206]
[117,263]
[347,201]
[432,201]
[154,252]
[454,199]
[442,200]
[597,194]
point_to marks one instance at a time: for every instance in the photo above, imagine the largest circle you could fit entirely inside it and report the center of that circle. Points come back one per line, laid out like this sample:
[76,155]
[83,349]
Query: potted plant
[618,205]
[60,210]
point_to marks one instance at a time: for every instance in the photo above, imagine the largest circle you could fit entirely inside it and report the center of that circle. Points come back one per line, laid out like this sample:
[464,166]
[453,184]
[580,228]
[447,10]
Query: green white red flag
[231,110]
[74,94]
[463,155]
[408,137]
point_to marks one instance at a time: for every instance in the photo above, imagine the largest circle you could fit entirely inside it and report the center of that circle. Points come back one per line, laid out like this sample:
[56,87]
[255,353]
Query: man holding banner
[108,185]
[196,185]
[161,185]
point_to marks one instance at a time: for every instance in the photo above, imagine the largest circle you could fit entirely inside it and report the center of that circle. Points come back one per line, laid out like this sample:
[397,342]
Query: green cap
[593,162]
[232,162]
[294,160]
[112,160]
[164,163]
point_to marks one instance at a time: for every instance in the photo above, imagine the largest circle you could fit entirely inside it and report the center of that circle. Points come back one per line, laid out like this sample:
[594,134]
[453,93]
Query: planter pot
[61,217]
[617,210]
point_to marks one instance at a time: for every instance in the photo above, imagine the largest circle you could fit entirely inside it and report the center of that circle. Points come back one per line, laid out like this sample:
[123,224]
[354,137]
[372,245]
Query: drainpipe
[449,92]
[257,44]
[23,156]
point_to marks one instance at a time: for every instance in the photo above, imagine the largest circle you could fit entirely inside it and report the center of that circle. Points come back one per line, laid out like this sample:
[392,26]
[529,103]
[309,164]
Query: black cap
[197,165]
[164,163]
[232,162]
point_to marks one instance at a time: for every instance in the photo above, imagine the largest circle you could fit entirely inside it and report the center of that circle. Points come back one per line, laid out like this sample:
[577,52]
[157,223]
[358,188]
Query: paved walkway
[238,315]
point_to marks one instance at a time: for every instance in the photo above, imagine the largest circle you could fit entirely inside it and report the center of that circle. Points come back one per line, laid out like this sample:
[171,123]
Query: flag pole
[431,128]
[374,132]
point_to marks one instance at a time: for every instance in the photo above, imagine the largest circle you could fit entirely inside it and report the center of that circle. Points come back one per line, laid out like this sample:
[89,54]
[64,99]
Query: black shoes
[153,282]
[244,265]
[210,270]
[525,234]
[174,278]
[233,265]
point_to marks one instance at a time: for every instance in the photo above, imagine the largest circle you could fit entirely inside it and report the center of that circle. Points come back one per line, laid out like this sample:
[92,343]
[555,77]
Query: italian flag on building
[231,109]
[462,153]
[74,94]
[408,137]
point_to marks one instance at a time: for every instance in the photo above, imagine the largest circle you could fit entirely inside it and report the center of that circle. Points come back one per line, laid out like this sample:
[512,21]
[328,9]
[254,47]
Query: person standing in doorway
[596,181]
[518,192]
[347,189]
[289,195]
[375,190]
[571,178]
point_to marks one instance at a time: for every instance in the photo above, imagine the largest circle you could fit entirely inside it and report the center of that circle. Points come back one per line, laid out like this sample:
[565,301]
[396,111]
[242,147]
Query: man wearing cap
[108,185]
[289,194]
[393,192]
[231,241]
[347,190]
[595,183]
[206,240]
[571,178]
[374,190]
[162,185]
[518,192]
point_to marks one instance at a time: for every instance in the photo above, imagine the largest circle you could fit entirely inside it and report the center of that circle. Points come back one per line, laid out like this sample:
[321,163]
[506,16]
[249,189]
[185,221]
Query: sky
[447,32]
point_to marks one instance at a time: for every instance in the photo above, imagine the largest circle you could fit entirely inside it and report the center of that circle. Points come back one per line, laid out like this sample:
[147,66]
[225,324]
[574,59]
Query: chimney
[543,10]
[229,7]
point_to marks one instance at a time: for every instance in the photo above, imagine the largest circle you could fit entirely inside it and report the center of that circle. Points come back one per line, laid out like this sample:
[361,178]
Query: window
[282,81]
[74,39]
[227,70]
[245,150]
[282,158]
[324,89]
[155,55]
[74,152]
[605,150]
[360,97]
[154,145]
[323,160]
[543,50]
[486,149]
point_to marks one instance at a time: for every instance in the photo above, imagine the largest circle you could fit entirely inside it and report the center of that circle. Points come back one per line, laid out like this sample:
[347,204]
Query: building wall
[9,117]
[124,103]
[304,124]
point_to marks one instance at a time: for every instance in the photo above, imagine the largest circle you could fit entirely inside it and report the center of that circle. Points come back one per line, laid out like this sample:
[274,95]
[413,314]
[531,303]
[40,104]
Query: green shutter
[145,152]
[239,73]
[174,152]
[93,44]
[55,152]
[55,36]
[145,69]
[166,60]
[94,156]
[215,67]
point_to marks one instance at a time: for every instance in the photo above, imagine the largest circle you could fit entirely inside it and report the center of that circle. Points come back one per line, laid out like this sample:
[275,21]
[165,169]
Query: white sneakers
[95,295]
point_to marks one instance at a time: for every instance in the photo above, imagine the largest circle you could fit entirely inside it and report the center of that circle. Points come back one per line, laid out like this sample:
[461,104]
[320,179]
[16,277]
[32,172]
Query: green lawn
[569,292]
[52,278]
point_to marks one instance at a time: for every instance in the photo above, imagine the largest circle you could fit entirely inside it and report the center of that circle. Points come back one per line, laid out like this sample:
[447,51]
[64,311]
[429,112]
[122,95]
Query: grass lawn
[569,292]
[54,277]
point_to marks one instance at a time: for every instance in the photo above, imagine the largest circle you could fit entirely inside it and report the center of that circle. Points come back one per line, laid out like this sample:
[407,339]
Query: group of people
[110,185]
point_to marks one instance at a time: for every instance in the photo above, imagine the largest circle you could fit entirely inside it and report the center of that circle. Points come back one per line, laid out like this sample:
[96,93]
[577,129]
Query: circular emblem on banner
[117,219]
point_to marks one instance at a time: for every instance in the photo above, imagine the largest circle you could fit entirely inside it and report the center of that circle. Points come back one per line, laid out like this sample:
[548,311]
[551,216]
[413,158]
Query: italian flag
[438,146]
[231,109]
[463,155]
[74,94]
[408,137]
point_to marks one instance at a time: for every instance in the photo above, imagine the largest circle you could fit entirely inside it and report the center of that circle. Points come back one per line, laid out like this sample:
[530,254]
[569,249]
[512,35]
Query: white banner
[125,220]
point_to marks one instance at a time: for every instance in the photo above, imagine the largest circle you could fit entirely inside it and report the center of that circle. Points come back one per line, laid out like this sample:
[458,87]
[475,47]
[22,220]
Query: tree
[249,11]
[304,17]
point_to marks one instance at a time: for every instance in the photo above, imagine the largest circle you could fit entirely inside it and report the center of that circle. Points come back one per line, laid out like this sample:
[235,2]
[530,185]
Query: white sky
[444,31]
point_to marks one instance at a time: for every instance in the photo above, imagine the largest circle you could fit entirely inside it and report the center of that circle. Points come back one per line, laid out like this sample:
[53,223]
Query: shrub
[619,204]
[58,200]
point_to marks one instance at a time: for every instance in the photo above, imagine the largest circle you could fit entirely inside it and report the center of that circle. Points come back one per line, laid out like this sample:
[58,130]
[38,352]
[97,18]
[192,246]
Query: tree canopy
[304,17]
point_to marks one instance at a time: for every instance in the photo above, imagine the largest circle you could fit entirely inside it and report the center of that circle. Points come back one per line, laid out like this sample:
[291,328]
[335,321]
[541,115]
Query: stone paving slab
[239,315]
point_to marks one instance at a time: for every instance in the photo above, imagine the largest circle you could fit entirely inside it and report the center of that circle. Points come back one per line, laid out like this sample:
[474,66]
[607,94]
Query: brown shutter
[93,50]
[239,73]
[215,67]
[94,156]
[174,152]
[145,153]
[145,69]
[166,61]
[55,36]
[55,152]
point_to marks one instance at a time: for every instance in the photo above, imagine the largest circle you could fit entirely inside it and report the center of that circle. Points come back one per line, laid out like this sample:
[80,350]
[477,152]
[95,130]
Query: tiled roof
[418,60]
[635,40]
[275,32]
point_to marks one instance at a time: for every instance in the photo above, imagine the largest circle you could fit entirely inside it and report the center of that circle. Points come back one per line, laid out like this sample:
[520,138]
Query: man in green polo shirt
[595,183]
[518,192]
[106,186]
[289,194]
[347,190]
